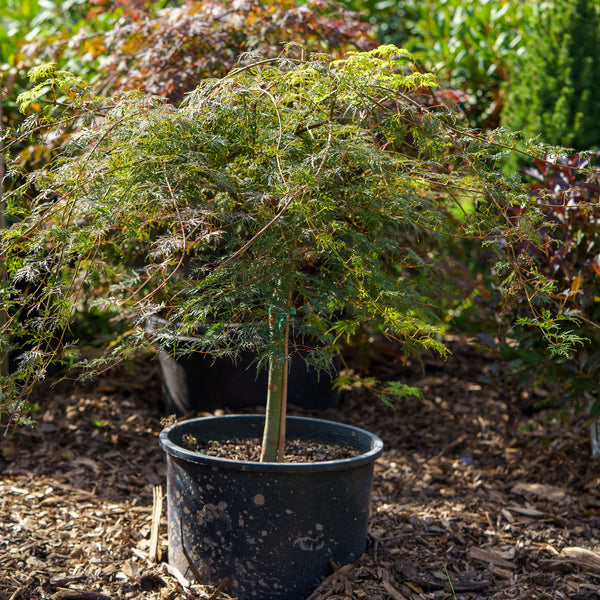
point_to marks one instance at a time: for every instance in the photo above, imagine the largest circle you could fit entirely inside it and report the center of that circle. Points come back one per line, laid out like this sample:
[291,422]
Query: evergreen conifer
[554,86]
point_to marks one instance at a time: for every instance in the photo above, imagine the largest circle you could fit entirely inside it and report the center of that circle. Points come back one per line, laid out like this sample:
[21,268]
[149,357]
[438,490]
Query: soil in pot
[248,449]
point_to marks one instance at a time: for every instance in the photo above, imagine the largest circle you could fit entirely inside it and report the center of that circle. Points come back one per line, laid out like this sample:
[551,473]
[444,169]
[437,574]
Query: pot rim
[350,432]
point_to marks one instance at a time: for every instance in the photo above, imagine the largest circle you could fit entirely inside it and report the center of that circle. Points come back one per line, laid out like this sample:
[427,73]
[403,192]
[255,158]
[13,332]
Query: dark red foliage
[568,194]
[168,55]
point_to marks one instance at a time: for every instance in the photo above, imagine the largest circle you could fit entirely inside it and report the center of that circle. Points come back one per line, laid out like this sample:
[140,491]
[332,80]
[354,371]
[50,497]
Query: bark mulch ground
[472,498]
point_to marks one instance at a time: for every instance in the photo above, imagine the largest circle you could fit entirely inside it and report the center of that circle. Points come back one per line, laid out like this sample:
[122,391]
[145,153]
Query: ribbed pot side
[271,529]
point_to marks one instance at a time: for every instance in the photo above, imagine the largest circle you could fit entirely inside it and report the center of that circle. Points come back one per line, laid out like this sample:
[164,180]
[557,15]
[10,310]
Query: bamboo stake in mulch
[157,503]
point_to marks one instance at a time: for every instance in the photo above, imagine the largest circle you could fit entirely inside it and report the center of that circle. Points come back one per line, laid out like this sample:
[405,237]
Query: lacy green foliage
[554,89]
[49,82]
[321,186]
[468,43]
[567,193]
[388,393]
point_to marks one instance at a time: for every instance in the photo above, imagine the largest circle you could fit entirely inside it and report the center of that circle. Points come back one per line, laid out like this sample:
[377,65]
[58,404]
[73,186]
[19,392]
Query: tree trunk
[274,433]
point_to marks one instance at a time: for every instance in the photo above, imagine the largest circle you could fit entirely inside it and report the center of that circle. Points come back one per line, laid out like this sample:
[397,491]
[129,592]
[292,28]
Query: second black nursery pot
[270,529]
[197,383]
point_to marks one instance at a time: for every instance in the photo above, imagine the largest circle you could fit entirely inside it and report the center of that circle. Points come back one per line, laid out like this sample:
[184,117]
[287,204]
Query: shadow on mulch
[472,499]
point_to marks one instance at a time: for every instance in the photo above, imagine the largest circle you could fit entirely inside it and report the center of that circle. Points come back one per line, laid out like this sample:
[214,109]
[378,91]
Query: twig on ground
[65,594]
[188,558]
[218,591]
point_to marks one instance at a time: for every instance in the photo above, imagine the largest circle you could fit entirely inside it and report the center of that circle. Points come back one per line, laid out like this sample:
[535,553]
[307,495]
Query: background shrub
[567,194]
[467,43]
[168,52]
[157,46]
[554,85]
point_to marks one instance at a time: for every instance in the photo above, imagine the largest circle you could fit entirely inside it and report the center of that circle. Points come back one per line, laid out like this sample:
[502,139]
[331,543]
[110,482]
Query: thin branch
[255,236]
[183,238]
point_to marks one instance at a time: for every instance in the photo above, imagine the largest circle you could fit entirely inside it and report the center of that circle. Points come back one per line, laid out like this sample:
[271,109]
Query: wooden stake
[157,502]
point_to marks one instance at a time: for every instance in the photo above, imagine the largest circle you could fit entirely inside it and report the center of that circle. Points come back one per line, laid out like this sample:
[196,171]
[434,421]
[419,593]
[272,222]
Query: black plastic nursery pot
[197,383]
[270,529]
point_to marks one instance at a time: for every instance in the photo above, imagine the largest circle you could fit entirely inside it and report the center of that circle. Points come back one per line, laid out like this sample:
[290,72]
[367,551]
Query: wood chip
[551,493]
[175,572]
[507,515]
[585,557]
[392,591]
[527,511]
[66,594]
[489,558]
